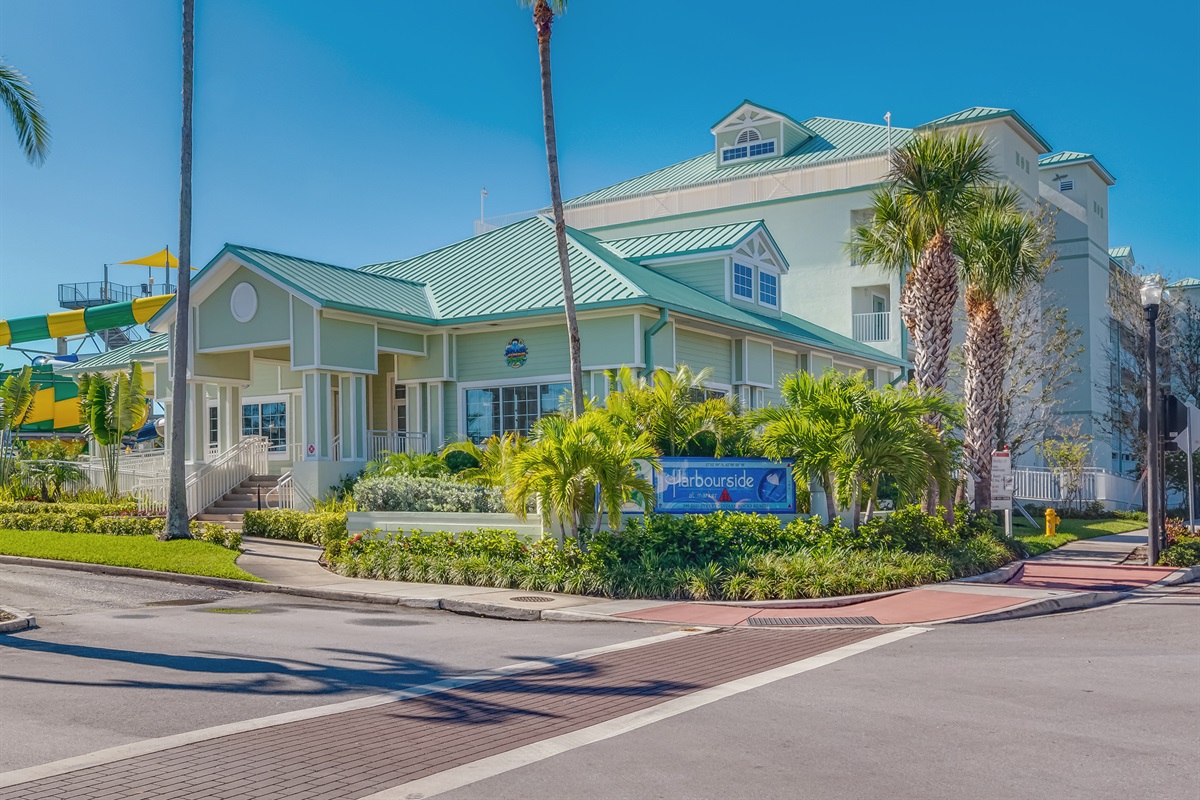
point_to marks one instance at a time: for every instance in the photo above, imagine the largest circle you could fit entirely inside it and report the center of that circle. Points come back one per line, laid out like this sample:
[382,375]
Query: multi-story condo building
[811,181]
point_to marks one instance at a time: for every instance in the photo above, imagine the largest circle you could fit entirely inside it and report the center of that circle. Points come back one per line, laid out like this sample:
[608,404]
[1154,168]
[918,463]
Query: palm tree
[177,511]
[581,468]
[422,465]
[842,432]
[673,411]
[33,133]
[494,455]
[17,394]
[1002,250]
[934,182]
[112,408]
[544,12]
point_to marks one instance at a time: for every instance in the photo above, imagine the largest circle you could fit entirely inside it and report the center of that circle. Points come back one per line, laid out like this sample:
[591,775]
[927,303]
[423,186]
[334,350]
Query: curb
[23,620]
[807,602]
[1041,607]
[1002,575]
[465,607]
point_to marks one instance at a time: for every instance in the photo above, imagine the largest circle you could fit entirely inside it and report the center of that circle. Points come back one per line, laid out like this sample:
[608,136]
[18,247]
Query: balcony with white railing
[379,442]
[875,326]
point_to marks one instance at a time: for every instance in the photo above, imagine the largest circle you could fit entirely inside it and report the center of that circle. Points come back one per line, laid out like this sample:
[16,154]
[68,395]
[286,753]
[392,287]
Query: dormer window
[749,144]
[768,289]
[743,281]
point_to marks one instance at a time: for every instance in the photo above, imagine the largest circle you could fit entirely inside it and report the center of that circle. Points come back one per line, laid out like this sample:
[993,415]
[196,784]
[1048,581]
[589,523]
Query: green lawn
[186,556]
[1069,530]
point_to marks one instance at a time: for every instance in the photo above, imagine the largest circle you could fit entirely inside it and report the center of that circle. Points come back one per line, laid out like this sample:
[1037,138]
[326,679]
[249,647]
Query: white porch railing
[1046,486]
[873,327]
[287,494]
[395,442]
[211,481]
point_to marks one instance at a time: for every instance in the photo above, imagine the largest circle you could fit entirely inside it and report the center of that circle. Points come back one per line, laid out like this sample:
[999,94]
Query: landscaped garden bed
[721,556]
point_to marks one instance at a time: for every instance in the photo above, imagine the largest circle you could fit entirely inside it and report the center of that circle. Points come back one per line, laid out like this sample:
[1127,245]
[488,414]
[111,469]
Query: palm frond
[33,132]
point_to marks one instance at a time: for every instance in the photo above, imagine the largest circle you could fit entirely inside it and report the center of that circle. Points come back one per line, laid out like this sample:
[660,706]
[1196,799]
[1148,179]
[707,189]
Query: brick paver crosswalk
[356,753]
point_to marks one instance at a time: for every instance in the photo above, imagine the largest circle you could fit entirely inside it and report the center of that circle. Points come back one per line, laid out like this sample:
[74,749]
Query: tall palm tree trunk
[984,356]
[543,20]
[177,511]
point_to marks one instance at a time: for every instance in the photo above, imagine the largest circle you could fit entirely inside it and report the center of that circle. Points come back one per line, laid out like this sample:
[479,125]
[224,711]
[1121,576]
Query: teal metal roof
[513,272]
[697,240]
[1069,157]
[1184,283]
[1125,251]
[121,357]
[337,287]
[833,139]
[981,114]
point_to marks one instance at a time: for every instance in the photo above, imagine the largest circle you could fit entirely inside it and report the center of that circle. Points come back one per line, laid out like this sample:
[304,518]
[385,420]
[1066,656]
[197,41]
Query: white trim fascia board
[398,351]
[752,338]
[663,261]
[602,367]
[233,348]
[755,384]
[274,362]
[347,370]
[521,381]
[389,324]
[218,381]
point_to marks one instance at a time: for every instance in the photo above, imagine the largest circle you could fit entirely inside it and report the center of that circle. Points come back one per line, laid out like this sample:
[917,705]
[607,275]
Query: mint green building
[334,365]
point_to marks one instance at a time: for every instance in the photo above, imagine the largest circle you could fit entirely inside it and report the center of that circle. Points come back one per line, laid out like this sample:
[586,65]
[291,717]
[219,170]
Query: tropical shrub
[298,526]
[112,407]
[1184,552]
[422,465]
[489,463]
[130,525]
[89,510]
[68,521]
[62,522]
[408,493]
[728,556]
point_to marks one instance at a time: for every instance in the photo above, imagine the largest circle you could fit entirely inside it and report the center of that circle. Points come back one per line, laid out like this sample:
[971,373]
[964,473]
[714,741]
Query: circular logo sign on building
[515,353]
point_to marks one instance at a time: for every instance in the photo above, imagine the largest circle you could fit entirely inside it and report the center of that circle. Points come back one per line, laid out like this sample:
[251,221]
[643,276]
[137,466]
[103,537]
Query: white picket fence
[1043,485]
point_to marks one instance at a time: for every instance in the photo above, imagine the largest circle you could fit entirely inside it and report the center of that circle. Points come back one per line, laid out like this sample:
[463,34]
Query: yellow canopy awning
[162,258]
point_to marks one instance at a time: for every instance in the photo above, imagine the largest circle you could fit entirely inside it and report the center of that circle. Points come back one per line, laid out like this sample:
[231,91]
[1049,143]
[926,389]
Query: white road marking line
[147,746]
[466,774]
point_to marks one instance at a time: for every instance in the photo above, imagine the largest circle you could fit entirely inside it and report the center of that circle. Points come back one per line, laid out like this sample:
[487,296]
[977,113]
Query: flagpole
[167,269]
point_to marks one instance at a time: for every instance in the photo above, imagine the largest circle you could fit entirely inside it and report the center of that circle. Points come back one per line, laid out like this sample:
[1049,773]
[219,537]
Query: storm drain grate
[531,598]
[760,621]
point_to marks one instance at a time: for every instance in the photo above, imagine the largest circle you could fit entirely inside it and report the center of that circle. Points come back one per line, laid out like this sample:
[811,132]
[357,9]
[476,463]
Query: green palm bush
[112,407]
[17,394]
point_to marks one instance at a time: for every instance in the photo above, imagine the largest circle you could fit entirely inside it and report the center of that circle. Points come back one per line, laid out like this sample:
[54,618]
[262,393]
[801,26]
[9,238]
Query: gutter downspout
[648,341]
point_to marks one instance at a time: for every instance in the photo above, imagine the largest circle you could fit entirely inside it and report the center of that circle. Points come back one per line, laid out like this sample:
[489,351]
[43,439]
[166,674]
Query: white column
[229,416]
[196,416]
[317,416]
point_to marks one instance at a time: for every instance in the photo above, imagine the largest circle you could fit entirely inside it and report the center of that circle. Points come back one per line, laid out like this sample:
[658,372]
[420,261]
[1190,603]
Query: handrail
[212,481]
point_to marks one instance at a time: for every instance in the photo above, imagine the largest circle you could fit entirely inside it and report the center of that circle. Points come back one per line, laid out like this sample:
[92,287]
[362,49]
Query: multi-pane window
[400,401]
[733,153]
[762,148]
[505,409]
[213,429]
[700,394]
[768,289]
[266,419]
[743,281]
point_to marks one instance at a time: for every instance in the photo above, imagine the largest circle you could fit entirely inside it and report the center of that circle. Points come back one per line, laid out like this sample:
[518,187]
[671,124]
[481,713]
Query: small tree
[494,458]
[112,407]
[17,395]
[49,466]
[1069,453]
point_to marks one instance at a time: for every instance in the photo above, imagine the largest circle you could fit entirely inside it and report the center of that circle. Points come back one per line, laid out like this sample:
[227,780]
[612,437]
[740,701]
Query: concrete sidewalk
[1034,587]
[1112,549]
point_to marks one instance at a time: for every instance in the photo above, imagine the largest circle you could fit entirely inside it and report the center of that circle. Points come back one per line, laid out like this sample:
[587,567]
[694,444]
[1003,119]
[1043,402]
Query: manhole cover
[531,598]
[133,616]
[382,622]
[184,602]
[767,621]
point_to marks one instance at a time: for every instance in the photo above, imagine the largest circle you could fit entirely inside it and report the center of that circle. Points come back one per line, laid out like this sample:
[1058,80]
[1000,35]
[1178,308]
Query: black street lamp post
[1152,291]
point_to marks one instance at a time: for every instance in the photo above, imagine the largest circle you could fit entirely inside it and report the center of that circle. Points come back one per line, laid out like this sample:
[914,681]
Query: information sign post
[1002,487]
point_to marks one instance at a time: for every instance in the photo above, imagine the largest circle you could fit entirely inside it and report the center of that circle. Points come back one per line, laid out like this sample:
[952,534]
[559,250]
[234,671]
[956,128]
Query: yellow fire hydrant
[1051,521]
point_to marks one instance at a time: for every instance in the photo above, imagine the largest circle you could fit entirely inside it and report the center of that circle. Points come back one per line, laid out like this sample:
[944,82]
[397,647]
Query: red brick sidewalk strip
[361,752]
[1086,577]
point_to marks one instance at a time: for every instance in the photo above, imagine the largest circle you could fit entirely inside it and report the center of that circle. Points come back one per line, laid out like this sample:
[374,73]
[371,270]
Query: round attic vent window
[243,302]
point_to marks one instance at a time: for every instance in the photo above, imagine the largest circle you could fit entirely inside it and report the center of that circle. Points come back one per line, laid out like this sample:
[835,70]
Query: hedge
[407,493]
[319,528]
[67,521]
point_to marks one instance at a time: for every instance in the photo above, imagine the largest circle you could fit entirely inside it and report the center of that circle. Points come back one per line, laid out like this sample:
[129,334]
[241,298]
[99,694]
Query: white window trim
[736,262]
[748,157]
[498,384]
[758,285]
[286,399]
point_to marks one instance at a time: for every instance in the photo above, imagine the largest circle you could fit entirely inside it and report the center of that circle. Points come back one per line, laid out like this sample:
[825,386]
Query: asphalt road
[108,666]
[1100,704]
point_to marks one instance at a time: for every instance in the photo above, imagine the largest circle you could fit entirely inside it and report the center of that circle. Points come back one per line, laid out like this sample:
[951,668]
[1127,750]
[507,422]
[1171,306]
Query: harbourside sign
[701,485]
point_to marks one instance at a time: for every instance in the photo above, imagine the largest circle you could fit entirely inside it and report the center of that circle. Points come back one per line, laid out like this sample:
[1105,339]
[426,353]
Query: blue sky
[362,131]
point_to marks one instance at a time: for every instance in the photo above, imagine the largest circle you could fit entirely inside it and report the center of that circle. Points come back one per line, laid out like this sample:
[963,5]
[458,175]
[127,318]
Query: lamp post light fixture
[1152,296]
